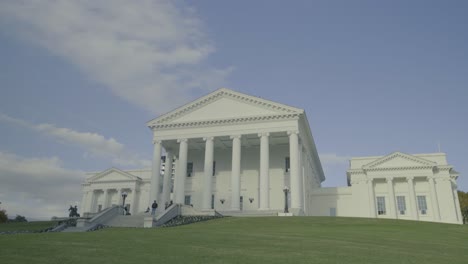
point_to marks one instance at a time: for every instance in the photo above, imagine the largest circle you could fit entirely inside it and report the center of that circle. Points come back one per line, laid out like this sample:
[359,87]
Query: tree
[20,218]
[463,198]
[3,216]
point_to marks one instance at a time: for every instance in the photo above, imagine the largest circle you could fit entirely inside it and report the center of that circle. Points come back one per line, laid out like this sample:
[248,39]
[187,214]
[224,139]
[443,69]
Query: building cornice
[399,168]
[230,121]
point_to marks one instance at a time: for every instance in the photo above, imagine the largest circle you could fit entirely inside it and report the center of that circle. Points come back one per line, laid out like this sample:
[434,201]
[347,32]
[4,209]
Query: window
[422,205]
[189,169]
[332,211]
[401,204]
[381,205]
[188,199]
[212,201]
[214,168]
[99,208]
[287,164]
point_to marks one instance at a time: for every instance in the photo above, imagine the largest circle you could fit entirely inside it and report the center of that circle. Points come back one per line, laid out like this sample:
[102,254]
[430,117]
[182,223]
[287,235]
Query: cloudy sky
[79,79]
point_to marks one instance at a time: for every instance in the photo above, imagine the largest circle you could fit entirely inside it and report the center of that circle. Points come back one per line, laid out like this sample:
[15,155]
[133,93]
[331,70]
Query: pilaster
[208,173]
[181,172]
[235,172]
[264,171]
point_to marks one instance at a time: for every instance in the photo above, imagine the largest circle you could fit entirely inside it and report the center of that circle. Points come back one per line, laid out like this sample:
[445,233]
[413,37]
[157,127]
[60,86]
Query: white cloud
[94,144]
[334,167]
[333,159]
[151,53]
[37,187]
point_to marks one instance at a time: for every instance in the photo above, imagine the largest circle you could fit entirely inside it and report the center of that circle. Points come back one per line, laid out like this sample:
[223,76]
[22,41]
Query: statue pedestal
[285,214]
[148,222]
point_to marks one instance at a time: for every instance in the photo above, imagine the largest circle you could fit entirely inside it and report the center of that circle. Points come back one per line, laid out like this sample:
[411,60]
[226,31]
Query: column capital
[180,140]
[389,179]
[208,138]
[156,141]
[265,134]
[293,132]
[235,136]
[370,180]
[409,178]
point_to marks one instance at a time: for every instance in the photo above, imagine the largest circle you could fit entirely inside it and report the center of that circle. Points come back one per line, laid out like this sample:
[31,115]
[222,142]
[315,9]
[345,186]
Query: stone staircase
[250,213]
[127,221]
[185,220]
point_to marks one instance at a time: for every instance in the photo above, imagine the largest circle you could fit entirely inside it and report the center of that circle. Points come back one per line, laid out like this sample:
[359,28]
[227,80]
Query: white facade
[236,153]
[397,186]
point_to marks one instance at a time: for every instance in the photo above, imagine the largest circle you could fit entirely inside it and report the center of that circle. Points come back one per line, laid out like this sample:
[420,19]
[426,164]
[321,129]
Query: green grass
[249,240]
[27,226]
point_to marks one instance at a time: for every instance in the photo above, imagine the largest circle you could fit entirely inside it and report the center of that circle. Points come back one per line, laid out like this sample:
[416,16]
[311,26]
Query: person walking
[153,207]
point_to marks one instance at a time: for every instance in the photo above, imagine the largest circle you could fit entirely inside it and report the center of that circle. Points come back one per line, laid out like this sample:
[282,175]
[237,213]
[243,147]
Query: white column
[391,197]
[119,193]
[156,172]
[208,173]
[457,202]
[235,172]
[301,172]
[134,209]
[264,171]
[412,198]
[106,199]
[167,180]
[370,186]
[89,202]
[83,202]
[181,172]
[434,200]
[294,170]
[93,208]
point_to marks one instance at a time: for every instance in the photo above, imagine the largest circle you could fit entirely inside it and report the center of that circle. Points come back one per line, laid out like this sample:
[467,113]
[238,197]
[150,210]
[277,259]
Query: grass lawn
[27,226]
[249,240]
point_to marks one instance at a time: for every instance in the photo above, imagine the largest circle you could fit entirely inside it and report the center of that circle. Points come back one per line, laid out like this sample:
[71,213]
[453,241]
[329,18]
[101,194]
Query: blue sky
[79,79]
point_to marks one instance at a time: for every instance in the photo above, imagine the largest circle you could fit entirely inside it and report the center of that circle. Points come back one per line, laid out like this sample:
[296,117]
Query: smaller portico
[105,189]
[404,186]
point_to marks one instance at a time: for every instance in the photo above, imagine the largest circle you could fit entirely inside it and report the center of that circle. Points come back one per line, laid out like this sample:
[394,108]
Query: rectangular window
[188,199]
[381,205]
[422,205]
[287,166]
[212,201]
[332,211]
[189,169]
[99,208]
[214,168]
[401,204]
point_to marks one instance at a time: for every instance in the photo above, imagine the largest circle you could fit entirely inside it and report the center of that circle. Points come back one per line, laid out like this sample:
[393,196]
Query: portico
[228,164]
[239,144]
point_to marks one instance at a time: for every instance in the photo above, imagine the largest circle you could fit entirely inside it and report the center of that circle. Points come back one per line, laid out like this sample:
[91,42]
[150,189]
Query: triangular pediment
[224,104]
[113,174]
[398,160]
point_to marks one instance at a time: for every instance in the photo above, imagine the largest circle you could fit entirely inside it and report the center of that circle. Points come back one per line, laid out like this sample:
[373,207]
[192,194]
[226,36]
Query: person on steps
[153,207]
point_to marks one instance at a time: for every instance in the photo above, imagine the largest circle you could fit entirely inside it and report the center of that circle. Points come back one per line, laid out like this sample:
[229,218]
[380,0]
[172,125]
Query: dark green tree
[3,216]
[463,198]
[20,218]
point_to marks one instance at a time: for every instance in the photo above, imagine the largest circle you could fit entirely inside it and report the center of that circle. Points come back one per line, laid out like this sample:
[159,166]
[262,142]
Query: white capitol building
[243,155]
